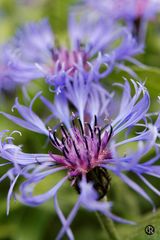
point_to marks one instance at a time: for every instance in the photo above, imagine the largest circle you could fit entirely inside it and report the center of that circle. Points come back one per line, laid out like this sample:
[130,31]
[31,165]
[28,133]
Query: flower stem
[108,226]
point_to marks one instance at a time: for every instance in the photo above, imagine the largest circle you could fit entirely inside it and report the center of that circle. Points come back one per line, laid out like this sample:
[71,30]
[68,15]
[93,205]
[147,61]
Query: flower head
[83,151]
[89,151]
[33,53]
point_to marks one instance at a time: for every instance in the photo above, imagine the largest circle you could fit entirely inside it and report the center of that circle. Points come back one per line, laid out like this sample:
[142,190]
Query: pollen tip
[49,129]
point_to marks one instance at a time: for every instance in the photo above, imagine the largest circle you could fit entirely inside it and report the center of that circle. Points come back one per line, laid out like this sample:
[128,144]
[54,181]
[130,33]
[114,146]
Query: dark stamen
[63,141]
[99,139]
[81,127]
[51,136]
[90,129]
[110,134]
[76,150]
[64,145]
[64,152]
[88,159]
[55,138]
[51,139]
[64,131]
[86,143]
[95,121]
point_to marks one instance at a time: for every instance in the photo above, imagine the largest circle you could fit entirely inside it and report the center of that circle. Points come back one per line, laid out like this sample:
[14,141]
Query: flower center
[66,60]
[84,149]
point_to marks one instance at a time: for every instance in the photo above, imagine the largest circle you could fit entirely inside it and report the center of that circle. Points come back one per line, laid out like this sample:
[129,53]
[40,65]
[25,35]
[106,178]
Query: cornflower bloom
[121,47]
[18,65]
[32,53]
[88,151]
[136,13]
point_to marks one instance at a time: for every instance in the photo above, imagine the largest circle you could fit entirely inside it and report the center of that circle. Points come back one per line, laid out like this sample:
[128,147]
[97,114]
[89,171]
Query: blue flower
[33,54]
[88,146]
[113,43]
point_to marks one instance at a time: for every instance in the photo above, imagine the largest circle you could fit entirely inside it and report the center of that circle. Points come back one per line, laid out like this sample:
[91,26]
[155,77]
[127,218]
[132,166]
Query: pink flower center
[62,59]
[84,149]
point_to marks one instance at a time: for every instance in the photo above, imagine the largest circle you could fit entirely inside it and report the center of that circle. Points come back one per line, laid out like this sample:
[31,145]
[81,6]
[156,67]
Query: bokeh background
[41,223]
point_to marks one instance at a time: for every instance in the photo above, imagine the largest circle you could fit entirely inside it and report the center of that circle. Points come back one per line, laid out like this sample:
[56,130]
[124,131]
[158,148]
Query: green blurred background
[41,223]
